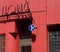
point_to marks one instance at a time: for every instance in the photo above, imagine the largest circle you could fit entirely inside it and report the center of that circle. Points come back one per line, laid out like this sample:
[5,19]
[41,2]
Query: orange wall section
[53,8]
[2,28]
[40,20]
[11,43]
[10,27]
[53,12]
[12,39]
[40,43]
[35,5]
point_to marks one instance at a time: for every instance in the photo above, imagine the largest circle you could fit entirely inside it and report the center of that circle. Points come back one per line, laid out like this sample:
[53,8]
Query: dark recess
[22,27]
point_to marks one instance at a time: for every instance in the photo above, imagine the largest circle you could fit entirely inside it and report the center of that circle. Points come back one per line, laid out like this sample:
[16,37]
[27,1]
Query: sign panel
[31,27]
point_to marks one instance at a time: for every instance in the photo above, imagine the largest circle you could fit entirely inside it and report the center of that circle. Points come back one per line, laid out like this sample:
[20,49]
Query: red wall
[53,14]
[49,15]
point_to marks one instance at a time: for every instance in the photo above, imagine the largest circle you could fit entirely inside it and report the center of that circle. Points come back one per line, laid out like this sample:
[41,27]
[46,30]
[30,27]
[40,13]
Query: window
[2,43]
[25,45]
[26,49]
[54,38]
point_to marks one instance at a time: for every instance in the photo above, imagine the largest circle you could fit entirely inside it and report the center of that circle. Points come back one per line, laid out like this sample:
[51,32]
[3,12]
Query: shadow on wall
[33,37]
[22,27]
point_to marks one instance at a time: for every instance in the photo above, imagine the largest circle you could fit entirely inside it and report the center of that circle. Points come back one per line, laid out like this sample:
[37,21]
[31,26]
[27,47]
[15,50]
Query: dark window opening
[2,43]
[22,26]
[54,38]
[26,49]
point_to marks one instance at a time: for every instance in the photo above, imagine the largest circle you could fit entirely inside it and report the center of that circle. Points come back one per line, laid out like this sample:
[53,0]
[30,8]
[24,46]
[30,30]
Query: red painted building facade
[43,13]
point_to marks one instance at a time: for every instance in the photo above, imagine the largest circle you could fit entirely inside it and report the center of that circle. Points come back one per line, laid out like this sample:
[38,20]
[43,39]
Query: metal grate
[2,43]
[54,41]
